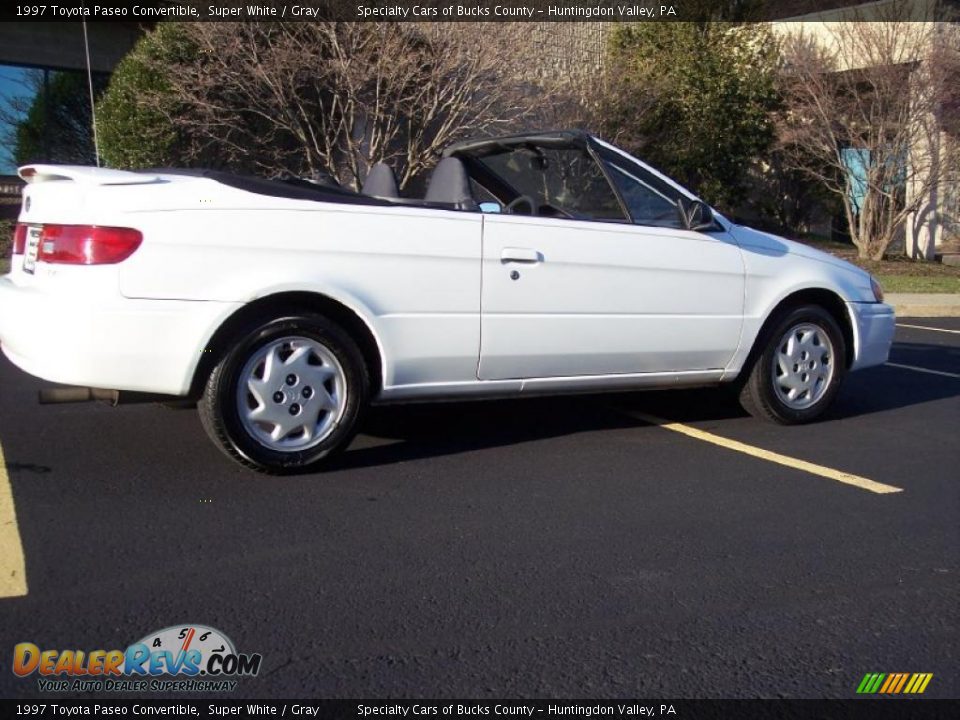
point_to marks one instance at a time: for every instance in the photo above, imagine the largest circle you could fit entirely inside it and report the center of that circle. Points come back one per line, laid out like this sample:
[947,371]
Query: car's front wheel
[798,373]
[287,395]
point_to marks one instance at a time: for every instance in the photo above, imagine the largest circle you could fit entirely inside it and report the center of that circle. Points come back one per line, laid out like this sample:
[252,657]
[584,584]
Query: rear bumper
[106,342]
[873,328]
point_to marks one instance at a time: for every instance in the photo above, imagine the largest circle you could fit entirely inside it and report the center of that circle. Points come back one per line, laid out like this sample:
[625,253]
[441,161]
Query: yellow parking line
[809,467]
[928,371]
[925,327]
[13,574]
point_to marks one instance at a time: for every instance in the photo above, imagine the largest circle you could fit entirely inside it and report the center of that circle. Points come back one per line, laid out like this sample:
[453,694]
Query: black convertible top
[325,189]
[486,146]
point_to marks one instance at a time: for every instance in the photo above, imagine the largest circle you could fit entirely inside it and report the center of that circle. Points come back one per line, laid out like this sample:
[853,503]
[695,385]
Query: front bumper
[873,327]
[106,342]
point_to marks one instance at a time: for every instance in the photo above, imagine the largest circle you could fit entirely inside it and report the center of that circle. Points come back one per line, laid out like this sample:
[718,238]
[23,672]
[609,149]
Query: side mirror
[697,216]
[490,207]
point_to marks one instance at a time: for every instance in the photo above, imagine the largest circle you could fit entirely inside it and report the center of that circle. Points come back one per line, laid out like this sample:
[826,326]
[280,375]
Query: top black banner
[150,11]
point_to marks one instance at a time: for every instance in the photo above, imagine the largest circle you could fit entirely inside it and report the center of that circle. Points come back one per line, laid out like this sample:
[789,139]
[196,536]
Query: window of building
[45,116]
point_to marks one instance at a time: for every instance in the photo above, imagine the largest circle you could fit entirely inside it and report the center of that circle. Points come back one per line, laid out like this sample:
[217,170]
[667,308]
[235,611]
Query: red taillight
[87,244]
[20,239]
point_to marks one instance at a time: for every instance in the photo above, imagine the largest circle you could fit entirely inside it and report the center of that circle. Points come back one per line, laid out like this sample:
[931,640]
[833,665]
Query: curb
[920,305]
[926,311]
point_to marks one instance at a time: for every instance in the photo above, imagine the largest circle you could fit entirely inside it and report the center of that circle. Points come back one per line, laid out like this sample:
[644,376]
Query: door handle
[520,255]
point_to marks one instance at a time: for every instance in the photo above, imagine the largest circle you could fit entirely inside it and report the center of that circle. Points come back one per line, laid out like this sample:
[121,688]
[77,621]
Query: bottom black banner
[685,709]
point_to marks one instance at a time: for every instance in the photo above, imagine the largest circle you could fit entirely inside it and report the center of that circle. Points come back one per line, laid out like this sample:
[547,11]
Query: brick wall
[567,47]
[548,50]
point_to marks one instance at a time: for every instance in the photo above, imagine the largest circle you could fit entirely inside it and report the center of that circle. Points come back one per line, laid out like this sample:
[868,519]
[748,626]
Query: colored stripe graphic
[894,683]
[919,683]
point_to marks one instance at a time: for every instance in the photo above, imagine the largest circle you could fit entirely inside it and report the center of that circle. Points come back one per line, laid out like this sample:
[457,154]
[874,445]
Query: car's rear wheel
[798,373]
[287,396]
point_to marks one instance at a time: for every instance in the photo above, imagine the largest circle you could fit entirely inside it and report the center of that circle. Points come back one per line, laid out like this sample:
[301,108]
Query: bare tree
[864,116]
[305,98]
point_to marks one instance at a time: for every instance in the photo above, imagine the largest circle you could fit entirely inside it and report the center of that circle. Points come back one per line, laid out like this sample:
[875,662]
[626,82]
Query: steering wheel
[517,202]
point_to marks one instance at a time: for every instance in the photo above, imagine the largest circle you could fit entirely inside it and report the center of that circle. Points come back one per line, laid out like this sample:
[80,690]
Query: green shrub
[133,116]
[707,93]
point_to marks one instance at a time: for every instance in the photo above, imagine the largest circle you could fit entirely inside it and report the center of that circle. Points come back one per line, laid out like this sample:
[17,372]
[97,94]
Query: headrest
[380,182]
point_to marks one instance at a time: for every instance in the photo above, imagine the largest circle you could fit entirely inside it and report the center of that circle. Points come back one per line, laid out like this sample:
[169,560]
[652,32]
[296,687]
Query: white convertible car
[543,263]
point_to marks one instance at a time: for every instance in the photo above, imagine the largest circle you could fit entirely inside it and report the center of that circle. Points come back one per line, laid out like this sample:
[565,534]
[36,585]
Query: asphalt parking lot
[562,547]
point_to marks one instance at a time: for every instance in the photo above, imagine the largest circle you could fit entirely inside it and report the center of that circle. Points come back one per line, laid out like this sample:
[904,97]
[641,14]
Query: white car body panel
[777,268]
[604,305]
[412,279]
[603,298]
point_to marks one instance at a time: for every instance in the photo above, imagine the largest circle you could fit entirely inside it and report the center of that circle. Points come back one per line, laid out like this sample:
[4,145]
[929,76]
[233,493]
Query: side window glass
[565,182]
[479,193]
[646,205]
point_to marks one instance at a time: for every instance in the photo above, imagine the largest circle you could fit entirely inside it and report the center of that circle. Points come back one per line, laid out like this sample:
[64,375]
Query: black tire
[758,393]
[219,406]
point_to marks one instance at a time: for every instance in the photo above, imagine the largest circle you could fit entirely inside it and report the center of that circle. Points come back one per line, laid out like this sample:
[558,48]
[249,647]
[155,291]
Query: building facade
[907,33]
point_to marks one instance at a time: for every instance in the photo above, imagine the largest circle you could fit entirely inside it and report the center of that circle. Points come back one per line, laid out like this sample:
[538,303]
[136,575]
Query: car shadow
[415,432]
[888,387]
[420,431]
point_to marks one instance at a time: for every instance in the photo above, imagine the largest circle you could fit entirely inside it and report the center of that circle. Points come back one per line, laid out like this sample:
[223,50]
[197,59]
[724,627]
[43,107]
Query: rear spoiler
[85,175]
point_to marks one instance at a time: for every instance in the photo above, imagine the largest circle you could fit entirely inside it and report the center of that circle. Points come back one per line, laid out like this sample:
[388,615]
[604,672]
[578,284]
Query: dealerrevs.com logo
[178,658]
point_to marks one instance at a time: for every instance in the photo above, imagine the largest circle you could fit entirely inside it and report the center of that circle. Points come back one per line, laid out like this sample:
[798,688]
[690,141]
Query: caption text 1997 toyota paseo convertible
[542,263]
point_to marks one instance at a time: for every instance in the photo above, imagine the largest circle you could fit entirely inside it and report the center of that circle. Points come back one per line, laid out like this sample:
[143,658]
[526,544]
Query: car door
[592,292]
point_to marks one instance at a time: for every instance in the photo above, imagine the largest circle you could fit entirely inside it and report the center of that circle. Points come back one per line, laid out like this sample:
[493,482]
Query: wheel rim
[291,394]
[803,366]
